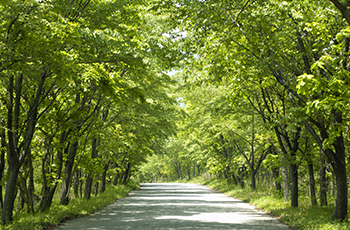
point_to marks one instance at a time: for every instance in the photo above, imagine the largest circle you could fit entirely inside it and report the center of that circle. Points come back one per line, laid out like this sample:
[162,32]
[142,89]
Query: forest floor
[176,206]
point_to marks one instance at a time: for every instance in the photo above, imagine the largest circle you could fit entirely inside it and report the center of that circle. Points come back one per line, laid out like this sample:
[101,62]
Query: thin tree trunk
[235,181]
[285,182]
[275,173]
[66,181]
[103,180]
[253,179]
[312,184]
[76,183]
[294,185]
[126,175]
[97,184]
[2,162]
[89,180]
[323,181]
[12,158]
[49,189]
[81,183]
[30,190]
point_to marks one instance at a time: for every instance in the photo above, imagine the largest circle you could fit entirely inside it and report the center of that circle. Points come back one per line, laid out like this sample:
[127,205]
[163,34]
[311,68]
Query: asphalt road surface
[176,206]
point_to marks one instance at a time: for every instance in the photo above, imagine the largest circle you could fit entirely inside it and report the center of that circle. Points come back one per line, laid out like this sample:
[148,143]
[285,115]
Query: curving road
[176,206]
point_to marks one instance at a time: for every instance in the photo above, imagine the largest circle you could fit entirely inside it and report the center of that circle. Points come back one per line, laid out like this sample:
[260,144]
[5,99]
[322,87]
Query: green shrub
[303,217]
[76,207]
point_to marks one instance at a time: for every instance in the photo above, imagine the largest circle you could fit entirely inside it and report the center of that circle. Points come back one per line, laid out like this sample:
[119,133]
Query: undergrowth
[303,217]
[77,207]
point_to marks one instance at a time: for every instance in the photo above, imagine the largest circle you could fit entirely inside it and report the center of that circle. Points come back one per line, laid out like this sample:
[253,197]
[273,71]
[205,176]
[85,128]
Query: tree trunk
[89,180]
[66,181]
[46,200]
[97,184]
[323,181]
[2,162]
[275,173]
[241,172]
[80,187]
[294,182]
[15,158]
[49,189]
[30,189]
[76,183]
[341,192]
[12,158]
[103,180]
[337,159]
[20,202]
[127,172]
[339,167]
[285,182]
[234,178]
[10,194]
[312,184]
[253,179]
[88,186]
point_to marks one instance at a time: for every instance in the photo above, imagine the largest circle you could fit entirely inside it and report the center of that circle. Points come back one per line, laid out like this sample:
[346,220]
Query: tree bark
[275,172]
[337,159]
[127,173]
[10,194]
[89,180]
[97,185]
[12,159]
[312,184]
[339,167]
[323,182]
[103,179]
[293,170]
[66,181]
[26,184]
[341,192]
[285,181]
[253,179]
[2,162]
[76,183]
[49,189]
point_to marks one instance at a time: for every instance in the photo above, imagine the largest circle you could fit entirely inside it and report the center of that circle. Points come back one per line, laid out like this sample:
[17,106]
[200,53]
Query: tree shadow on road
[177,206]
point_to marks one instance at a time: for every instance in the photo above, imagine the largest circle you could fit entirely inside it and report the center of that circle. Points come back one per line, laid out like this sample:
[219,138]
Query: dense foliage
[260,97]
[84,97]
[266,96]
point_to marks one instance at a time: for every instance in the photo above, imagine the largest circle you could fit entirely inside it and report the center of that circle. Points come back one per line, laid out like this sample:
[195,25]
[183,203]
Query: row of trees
[267,92]
[83,96]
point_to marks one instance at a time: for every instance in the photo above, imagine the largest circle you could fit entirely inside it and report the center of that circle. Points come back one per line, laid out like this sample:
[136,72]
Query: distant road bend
[176,206]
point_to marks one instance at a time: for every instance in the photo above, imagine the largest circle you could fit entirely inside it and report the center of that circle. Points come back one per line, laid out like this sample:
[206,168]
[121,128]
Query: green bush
[76,208]
[303,217]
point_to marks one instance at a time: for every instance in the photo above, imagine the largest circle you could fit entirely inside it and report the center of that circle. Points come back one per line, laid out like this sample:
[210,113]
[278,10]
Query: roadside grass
[77,207]
[305,216]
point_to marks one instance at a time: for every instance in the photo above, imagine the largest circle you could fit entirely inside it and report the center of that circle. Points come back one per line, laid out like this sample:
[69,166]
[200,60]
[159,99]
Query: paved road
[176,206]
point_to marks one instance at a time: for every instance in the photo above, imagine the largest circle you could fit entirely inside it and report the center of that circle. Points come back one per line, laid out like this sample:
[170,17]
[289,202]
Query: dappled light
[98,96]
[177,206]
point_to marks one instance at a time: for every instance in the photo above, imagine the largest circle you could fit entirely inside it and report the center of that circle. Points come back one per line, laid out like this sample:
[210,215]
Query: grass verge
[303,217]
[76,208]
